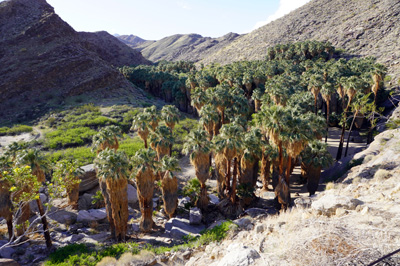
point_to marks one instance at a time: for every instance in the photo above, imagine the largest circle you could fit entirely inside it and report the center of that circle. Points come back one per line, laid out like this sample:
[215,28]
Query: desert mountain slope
[43,60]
[366,28]
[187,47]
[132,40]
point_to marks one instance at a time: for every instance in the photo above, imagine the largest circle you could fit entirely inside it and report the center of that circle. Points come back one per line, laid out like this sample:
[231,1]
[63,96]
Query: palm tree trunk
[288,169]
[107,202]
[234,181]
[315,104]
[280,158]
[228,176]
[340,148]
[44,222]
[327,121]
[265,171]
[351,128]
[145,144]
[117,190]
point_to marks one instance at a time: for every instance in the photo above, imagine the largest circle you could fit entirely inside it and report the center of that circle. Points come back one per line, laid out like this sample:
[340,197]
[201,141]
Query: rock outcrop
[44,61]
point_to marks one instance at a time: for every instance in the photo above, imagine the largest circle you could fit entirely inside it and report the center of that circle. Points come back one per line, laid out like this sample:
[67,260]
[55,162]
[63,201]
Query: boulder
[179,227]
[242,222]
[213,199]
[63,216]
[303,202]
[255,212]
[132,195]
[92,215]
[183,201]
[7,252]
[195,216]
[88,179]
[239,255]
[328,203]
[85,201]
[8,262]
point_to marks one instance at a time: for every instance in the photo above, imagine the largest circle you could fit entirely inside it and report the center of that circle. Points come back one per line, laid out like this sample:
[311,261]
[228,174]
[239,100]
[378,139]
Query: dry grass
[107,261]
[368,158]
[299,239]
[382,175]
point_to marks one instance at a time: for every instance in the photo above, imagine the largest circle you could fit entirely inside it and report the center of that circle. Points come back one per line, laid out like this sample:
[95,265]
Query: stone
[63,216]
[260,228]
[239,255]
[255,212]
[216,223]
[135,227]
[88,179]
[183,201]
[92,215]
[328,203]
[132,195]
[74,238]
[179,227]
[213,199]
[7,252]
[85,201]
[186,255]
[303,202]
[8,262]
[365,210]
[340,212]
[195,216]
[242,222]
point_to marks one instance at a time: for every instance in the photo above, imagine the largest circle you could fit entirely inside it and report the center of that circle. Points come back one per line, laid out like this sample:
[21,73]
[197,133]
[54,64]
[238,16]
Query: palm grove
[257,120]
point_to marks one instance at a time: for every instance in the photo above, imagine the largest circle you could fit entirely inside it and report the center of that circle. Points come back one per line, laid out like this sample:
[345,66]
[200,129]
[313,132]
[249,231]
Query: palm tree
[170,115]
[161,141]
[378,73]
[169,184]
[141,122]
[315,83]
[153,116]
[220,97]
[198,98]
[327,91]
[210,119]
[199,146]
[70,172]
[256,96]
[229,143]
[38,164]
[113,170]
[251,155]
[106,138]
[314,157]
[144,167]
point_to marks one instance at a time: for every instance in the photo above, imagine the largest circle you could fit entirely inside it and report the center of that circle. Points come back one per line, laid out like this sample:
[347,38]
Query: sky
[155,19]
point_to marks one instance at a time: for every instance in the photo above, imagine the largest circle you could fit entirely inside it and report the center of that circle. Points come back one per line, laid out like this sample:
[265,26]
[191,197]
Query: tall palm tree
[170,115]
[38,164]
[210,119]
[198,98]
[327,91]
[220,97]
[106,138]
[229,143]
[314,157]
[256,96]
[378,73]
[199,147]
[144,167]
[141,123]
[315,83]
[161,141]
[153,116]
[169,184]
[252,152]
[113,169]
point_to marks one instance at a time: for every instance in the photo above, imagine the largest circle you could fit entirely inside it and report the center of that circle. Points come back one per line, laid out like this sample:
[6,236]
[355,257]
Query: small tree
[69,172]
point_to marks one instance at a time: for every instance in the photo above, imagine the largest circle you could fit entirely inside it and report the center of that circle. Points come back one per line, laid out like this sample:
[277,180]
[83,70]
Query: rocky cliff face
[366,28]
[43,60]
[132,40]
[187,47]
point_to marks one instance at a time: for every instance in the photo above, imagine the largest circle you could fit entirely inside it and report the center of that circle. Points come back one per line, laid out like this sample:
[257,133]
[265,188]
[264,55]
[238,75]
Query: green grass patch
[80,254]
[15,130]
[82,155]
[181,130]
[131,145]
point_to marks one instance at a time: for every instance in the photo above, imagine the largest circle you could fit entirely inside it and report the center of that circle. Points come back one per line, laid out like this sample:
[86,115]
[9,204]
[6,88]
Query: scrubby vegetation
[15,130]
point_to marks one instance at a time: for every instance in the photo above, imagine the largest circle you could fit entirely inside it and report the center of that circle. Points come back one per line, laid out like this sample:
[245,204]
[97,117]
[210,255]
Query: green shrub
[15,130]
[82,155]
[69,137]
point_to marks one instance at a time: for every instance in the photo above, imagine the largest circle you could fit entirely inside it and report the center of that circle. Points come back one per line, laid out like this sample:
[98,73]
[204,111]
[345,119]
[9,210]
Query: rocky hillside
[366,28]
[132,40]
[110,49]
[44,60]
[187,47]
